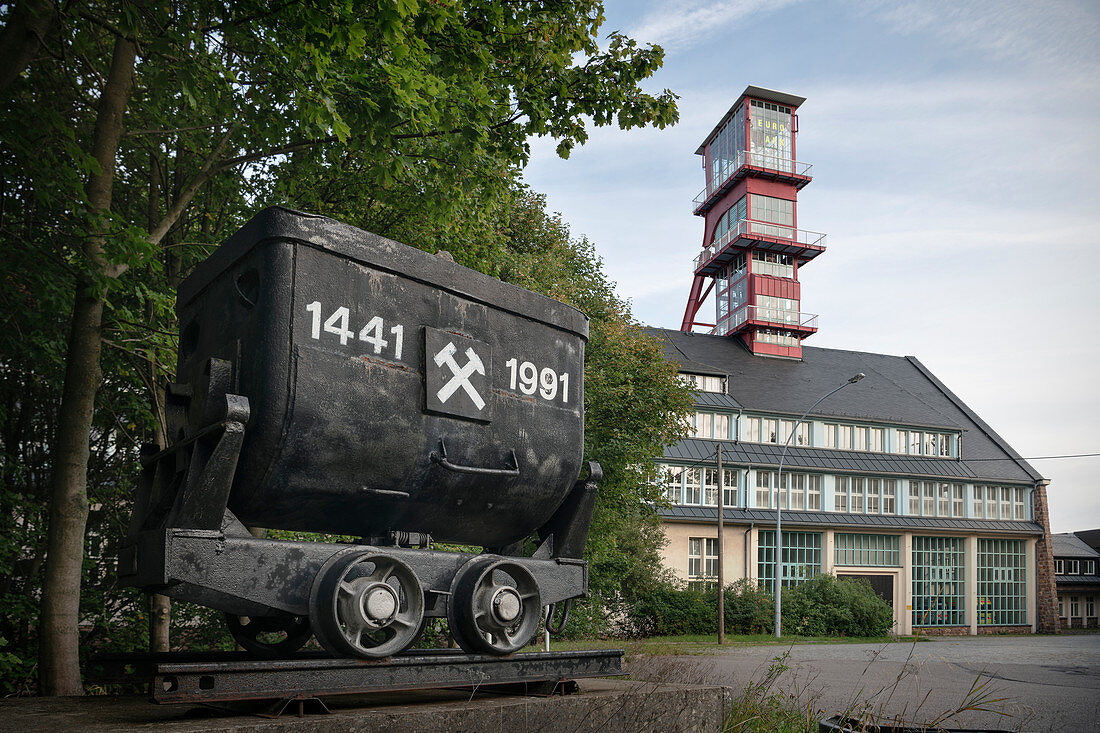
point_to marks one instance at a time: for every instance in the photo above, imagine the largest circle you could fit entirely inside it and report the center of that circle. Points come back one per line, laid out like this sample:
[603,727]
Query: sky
[956,171]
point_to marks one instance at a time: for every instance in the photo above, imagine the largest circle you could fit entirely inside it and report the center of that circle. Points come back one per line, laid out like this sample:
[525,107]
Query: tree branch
[208,169]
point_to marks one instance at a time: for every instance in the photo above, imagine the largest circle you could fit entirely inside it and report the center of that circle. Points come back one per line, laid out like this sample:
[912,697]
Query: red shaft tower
[752,247]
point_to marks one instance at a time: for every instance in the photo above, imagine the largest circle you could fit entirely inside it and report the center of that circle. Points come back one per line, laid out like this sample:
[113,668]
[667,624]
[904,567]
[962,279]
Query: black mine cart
[333,381]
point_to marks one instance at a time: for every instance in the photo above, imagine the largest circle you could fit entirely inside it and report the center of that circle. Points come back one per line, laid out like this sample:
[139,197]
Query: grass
[700,644]
[782,699]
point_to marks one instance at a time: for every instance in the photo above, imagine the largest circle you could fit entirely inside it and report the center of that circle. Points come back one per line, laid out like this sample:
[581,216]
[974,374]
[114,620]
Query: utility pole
[721,550]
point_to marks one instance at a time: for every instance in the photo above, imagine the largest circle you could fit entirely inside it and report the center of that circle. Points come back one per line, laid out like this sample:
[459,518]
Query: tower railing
[779,316]
[751,228]
[742,158]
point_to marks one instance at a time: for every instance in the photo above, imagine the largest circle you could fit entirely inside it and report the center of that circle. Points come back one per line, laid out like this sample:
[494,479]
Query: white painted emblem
[460,375]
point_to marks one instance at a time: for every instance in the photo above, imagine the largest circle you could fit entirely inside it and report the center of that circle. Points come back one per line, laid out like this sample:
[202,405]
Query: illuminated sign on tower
[752,246]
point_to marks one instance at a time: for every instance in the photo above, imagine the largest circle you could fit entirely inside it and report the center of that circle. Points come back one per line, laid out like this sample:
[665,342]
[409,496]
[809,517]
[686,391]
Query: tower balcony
[801,244]
[748,316]
[744,163]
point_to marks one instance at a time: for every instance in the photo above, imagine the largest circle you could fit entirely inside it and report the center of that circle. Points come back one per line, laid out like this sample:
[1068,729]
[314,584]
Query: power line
[1036,458]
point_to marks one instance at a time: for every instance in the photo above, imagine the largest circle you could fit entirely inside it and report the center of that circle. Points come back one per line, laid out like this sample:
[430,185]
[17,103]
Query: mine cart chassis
[367,600]
[175,678]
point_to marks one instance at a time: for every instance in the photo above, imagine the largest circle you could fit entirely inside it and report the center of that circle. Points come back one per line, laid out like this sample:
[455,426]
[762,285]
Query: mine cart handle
[441,459]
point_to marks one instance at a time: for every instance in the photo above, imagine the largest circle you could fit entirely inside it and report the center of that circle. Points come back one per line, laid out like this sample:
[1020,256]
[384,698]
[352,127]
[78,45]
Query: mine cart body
[330,380]
[362,359]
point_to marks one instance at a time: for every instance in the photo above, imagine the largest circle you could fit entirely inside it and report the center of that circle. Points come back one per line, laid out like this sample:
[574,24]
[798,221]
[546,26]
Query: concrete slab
[607,706]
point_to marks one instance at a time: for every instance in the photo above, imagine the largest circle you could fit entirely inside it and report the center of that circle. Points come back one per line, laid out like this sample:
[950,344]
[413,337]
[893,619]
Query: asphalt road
[1033,683]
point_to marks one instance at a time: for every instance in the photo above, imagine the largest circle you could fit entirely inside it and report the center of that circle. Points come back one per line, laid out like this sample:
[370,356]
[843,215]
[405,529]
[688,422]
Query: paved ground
[1040,683]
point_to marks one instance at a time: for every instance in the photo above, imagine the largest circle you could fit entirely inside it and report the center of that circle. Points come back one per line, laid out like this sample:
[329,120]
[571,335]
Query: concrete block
[604,706]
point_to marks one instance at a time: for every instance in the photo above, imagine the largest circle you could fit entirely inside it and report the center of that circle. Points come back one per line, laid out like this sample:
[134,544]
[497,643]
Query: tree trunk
[59,658]
[160,607]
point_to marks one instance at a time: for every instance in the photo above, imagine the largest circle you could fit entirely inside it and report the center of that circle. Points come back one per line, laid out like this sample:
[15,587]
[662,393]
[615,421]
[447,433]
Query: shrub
[821,606]
[749,609]
[672,611]
[828,606]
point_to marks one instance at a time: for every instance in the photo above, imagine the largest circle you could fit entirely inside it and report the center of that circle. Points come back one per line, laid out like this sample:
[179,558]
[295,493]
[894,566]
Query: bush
[749,609]
[821,606]
[828,606]
[673,611]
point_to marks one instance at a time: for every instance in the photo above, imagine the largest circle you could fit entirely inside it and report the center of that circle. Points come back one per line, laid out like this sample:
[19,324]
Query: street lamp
[777,585]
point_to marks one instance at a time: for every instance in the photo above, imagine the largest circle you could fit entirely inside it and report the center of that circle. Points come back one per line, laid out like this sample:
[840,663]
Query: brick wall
[987,630]
[1046,595]
[942,630]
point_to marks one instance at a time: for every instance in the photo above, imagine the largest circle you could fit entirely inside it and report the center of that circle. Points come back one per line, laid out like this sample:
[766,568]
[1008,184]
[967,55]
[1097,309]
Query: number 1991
[528,379]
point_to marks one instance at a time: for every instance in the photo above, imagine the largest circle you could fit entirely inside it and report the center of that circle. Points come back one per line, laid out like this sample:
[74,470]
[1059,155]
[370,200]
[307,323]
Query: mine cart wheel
[366,604]
[495,607]
[269,636]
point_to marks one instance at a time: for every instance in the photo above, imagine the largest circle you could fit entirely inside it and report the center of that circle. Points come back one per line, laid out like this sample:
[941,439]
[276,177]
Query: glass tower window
[771,135]
[770,263]
[726,150]
[771,210]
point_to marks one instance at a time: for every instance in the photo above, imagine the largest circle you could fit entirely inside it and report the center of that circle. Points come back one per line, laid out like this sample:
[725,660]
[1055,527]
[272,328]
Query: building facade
[892,478]
[1076,568]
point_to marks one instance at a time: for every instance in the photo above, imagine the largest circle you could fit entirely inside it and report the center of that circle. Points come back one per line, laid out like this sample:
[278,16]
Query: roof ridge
[974,417]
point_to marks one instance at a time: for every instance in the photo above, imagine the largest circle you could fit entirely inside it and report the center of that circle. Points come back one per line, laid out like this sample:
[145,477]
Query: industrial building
[891,478]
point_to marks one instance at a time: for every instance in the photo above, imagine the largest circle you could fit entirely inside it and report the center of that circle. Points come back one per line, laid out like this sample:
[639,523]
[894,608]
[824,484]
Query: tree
[635,405]
[155,127]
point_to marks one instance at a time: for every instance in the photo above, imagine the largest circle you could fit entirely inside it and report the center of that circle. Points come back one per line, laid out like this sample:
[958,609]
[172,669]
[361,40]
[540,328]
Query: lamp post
[777,586]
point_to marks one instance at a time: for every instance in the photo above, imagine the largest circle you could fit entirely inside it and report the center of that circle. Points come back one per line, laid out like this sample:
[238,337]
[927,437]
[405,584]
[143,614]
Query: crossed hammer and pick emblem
[460,378]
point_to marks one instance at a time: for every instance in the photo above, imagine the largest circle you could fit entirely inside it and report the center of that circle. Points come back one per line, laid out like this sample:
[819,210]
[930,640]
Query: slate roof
[1070,545]
[1091,537]
[819,459]
[841,520]
[715,399]
[1086,580]
[898,390]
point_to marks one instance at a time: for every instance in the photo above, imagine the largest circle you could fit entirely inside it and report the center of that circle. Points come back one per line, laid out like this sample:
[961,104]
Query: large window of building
[682,487]
[700,566]
[710,487]
[861,495]
[1002,587]
[799,491]
[939,593]
[1000,502]
[693,484]
[801,557]
[674,483]
[705,382]
[771,135]
[870,550]
[711,425]
[935,499]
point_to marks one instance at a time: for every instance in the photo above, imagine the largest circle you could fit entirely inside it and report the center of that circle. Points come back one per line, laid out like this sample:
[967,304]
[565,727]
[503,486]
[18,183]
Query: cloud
[677,26]
[1044,33]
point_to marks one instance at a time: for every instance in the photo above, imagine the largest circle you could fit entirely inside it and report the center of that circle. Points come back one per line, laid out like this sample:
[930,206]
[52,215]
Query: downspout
[751,524]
